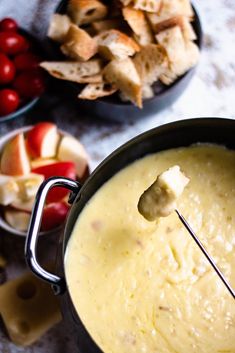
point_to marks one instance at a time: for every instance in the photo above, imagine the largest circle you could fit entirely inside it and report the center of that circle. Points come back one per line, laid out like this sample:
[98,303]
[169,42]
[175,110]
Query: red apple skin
[63,169]
[54,215]
[36,137]
[14,160]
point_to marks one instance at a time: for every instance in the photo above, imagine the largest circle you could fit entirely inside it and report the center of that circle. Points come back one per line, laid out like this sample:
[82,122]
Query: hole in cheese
[26,290]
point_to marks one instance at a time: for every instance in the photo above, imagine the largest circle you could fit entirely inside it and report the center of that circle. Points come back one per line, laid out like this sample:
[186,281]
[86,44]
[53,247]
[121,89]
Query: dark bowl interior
[28,104]
[112,107]
[173,135]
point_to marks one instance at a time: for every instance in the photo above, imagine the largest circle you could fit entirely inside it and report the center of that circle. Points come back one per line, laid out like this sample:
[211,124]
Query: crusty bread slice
[58,27]
[78,44]
[93,91]
[182,55]
[86,11]
[139,25]
[123,75]
[114,44]
[181,21]
[148,5]
[105,25]
[170,8]
[151,62]
[81,72]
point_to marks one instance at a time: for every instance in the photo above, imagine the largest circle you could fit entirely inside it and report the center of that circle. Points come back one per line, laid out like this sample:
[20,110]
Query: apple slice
[17,219]
[28,185]
[8,190]
[54,215]
[70,149]
[39,162]
[14,159]
[42,140]
[64,169]
[25,206]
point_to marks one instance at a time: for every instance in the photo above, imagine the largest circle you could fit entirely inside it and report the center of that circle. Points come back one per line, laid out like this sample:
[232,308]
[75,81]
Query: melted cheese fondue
[142,286]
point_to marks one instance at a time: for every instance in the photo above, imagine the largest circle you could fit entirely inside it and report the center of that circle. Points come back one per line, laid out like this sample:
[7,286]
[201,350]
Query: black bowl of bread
[125,58]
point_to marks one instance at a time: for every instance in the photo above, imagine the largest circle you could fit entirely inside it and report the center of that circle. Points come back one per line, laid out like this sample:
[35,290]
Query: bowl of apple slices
[29,156]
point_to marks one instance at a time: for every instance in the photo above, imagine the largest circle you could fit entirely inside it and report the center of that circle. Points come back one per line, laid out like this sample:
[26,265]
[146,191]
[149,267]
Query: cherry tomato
[8,25]
[64,169]
[7,69]
[9,101]
[12,43]
[26,61]
[30,84]
[54,215]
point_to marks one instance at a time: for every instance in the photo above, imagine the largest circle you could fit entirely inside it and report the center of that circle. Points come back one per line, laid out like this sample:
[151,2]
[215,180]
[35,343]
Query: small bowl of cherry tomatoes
[22,81]
[28,156]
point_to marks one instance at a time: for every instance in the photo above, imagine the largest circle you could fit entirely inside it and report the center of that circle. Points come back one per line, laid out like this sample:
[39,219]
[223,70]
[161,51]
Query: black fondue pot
[177,134]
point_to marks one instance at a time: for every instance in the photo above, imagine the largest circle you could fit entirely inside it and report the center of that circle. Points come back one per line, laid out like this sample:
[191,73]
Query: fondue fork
[209,258]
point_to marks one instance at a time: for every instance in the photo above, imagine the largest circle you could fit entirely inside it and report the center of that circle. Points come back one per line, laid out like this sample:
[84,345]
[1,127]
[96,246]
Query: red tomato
[64,169]
[54,215]
[12,43]
[8,25]
[9,101]
[26,61]
[30,84]
[7,69]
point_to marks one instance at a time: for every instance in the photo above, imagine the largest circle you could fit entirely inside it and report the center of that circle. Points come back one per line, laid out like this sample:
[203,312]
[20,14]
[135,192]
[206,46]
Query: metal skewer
[209,258]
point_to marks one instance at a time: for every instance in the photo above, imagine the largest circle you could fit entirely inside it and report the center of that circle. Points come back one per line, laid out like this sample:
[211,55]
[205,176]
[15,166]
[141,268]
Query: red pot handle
[58,283]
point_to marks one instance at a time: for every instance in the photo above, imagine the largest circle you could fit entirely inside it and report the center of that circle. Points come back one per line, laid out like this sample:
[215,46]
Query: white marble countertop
[211,93]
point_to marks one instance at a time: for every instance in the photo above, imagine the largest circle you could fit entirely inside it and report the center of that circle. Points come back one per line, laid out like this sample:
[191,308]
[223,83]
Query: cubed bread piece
[189,60]
[114,44]
[159,200]
[93,91]
[78,44]
[58,27]
[80,72]
[151,62]
[105,25]
[147,5]
[86,11]
[181,21]
[124,76]
[182,55]
[169,9]
[139,25]
[147,92]
[173,41]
